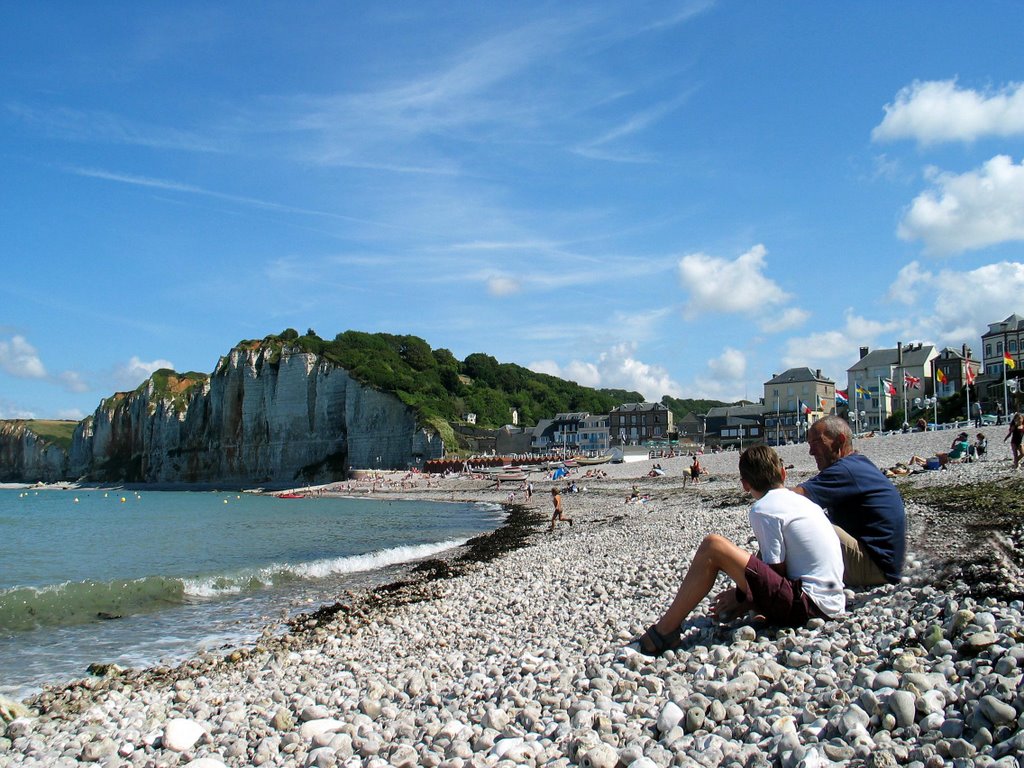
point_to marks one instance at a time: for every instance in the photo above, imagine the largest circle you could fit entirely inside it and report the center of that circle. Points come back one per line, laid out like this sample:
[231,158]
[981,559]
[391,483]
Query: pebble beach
[507,652]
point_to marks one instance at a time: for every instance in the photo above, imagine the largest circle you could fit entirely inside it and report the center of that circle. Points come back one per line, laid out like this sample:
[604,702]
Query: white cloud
[585,374]
[968,211]
[500,285]
[835,350]
[550,367]
[10,410]
[71,414]
[724,378]
[722,286]
[955,307]
[789,318]
[616,368]
[937,110]
[136,371]
[20,359]
[72,381]
[731,365]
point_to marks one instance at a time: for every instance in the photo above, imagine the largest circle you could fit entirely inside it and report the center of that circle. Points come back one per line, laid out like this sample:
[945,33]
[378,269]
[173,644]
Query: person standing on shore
[556,515]
[864,506]
[1015,435]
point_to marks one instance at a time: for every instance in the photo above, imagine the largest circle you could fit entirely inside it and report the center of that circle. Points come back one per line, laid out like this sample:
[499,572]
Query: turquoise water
[153,577]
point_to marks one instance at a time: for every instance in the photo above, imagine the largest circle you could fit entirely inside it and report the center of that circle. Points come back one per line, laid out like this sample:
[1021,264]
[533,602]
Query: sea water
[145,578]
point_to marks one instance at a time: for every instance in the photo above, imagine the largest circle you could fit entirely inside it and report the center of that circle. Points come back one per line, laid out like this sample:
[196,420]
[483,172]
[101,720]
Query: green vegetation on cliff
[57,432]
[175,387]
[441,388]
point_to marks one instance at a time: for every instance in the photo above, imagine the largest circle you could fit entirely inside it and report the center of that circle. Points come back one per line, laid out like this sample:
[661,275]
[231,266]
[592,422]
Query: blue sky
[675,197]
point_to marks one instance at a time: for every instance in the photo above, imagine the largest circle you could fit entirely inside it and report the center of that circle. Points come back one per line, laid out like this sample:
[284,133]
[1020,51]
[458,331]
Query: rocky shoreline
[505,653]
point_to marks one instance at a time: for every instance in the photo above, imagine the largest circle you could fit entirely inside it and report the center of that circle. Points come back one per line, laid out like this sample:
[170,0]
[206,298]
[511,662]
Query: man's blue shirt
[864,503]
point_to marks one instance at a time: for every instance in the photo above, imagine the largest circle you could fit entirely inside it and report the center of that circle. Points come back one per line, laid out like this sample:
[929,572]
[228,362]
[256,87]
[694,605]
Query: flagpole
[880,403]
[855,387]
[967,388]
[1006,392]
[905,419]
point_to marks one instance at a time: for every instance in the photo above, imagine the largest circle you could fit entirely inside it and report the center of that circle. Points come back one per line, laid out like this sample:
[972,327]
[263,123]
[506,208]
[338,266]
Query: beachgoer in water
[556,500]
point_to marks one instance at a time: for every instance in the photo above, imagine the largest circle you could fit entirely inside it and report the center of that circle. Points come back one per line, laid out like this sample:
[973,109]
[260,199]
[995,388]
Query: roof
[735,411]
[1013,323]
[578,416]
[797,374]
[627,407]
[912,355]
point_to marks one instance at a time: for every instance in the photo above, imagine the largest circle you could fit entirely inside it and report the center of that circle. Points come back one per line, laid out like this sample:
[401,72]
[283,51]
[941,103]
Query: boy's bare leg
[714,555]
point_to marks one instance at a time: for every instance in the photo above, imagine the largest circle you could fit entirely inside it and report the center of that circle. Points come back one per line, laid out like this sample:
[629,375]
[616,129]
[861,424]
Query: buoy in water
[123,499]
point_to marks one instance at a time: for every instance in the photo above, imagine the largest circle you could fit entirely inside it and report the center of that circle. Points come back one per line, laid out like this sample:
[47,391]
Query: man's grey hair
[834,426]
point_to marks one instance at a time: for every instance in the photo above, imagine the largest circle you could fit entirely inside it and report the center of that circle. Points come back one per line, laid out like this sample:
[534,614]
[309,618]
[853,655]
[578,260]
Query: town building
[636,423]
[794,400]
[885,381]
[594,434]
[1003,338]
[735,425]
[565,435]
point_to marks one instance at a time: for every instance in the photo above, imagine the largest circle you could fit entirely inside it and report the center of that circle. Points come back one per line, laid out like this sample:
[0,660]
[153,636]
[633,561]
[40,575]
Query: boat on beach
[291,496]
[589,461]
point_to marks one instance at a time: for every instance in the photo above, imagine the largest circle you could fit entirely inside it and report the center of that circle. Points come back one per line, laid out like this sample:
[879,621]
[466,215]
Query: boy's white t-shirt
[792,529]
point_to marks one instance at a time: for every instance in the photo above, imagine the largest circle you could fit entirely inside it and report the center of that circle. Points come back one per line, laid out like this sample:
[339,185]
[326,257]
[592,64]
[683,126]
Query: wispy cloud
[175,186]
[599,148]
[97,126]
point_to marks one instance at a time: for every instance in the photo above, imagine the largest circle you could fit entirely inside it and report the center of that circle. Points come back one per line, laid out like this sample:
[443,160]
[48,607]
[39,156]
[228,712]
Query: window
[999,347]
[988,350]
[657,431]
[755,431]
[1013,345]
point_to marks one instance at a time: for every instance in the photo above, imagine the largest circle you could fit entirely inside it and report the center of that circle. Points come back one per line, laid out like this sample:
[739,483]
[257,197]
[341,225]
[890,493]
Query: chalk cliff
[25,457]
[267,414]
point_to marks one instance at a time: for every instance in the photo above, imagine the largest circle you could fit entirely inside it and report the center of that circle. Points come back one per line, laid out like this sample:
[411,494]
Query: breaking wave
[26,608]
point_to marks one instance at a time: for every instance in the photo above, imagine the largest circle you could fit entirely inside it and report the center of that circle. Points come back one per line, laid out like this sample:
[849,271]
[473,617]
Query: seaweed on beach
[514,534]
[976,532]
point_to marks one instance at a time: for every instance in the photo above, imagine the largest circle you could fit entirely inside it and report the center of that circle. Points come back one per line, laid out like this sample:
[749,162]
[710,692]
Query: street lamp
[929,402]
[858,419]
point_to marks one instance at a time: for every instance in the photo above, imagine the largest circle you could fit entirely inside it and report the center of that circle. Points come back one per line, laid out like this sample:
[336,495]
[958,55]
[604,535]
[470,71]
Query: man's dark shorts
[781,600]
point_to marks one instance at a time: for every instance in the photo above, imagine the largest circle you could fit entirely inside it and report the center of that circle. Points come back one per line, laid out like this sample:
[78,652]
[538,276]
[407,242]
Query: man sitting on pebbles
[862,503]
[796,575]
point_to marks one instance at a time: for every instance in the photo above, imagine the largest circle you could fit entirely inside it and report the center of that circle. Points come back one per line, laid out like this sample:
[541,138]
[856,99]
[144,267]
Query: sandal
[657,643]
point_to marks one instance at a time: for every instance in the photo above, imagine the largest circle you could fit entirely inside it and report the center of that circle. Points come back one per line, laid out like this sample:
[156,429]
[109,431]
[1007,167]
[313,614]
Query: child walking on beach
[796,575]
[556,499]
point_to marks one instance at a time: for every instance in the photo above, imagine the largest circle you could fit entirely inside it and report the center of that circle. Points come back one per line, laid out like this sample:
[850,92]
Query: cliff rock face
[27,458]
[265,416]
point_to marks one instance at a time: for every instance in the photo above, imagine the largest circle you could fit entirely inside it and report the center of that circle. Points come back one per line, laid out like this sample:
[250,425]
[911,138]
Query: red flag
[941,376]
[970,374]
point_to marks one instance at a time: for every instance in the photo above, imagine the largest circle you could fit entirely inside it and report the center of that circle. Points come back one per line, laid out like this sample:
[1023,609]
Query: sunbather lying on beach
[796,575]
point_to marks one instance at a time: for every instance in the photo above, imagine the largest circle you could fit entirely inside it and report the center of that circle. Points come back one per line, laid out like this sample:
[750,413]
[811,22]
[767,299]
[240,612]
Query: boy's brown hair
[761,468]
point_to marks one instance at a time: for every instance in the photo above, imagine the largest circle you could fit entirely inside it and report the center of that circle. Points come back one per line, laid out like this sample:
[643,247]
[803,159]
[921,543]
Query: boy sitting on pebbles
[796,575]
